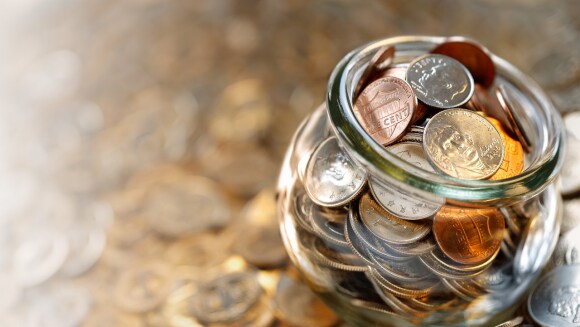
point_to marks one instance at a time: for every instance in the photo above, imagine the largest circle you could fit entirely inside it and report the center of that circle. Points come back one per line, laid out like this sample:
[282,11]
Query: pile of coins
[392,250]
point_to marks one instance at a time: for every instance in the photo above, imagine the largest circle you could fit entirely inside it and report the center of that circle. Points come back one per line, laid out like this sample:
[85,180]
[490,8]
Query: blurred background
[140,142]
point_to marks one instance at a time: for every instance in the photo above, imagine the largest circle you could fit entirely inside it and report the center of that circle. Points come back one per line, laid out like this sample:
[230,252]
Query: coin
[468,236]
[463,144]
[440,81]
[514,111]
[567,251]
[474,56]
[356,245]
[570,174]
[380,60]
[513,160]
[329,230]
[261,247]
[295,304]
[332,178]
[443,271]
[143,287]
[385,286]
[555,300]
[449,263]
[497,278]
[388,227]
[385,109]
[336,257]
[226,298]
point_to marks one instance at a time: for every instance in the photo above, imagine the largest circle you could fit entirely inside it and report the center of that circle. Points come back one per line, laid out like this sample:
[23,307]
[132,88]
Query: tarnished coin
[385,109]
[474,56]
[468,236]
[379,62]
[226,298]
[332,177]
[513,160]
[463,144]
[388,227]
[295,304]
[555,300]
[396,202]
[513,110]
[440,81]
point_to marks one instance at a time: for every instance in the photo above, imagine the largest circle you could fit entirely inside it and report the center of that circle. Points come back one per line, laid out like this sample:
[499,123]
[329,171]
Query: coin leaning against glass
[463,144]
[440,81]
[555,300]
[332,177]
[385,109]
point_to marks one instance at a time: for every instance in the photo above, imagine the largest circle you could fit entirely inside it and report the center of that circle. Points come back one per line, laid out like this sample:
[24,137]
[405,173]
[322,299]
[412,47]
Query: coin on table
[226,298]
[555,300]
[440,81]
[567,250]
[514,111]
[474,56]
[468,236]
[295,304]
[388,227]
[463,144]
[385,109]
[380,61]
[397,202]
[332,177]
[513,160]
[261,247]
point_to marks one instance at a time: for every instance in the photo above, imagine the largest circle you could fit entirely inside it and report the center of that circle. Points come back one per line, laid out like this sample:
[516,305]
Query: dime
[513,111]
[379,62]
[468,236]
[397,202]
[226,298]
[440,81]
[474,56]
[513,160]
[463,144]
[385,109]
[295,304]
[388,227]
[332,178]
[555,300]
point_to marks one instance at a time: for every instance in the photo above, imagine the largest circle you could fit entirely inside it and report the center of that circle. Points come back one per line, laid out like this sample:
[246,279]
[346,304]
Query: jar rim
[360,145]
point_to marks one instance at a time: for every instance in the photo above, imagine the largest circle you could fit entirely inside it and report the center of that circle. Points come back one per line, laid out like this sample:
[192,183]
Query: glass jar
[369,281]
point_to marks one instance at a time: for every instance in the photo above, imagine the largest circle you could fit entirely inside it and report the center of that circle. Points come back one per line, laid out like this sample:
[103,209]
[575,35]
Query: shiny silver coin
[413,290]
[445,272]
[567,250]
[451,264]
[371,242]
[336,257]
[571,215]
[295,304]
[226,298]
[414,249]
[409,271]
[388,227]
[555,300]
[397,202]
[328,226]
[356,245]
[332,178]
[463,144]
[313,129]
[440,81]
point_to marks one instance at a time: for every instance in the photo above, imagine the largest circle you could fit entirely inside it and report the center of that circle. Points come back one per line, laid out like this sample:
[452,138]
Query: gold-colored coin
[513,160]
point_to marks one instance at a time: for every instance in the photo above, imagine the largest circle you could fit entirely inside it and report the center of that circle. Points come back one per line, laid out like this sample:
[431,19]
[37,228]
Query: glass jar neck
[545,129]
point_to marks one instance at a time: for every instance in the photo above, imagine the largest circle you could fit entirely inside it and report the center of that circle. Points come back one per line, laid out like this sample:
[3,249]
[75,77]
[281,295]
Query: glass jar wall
[391,242]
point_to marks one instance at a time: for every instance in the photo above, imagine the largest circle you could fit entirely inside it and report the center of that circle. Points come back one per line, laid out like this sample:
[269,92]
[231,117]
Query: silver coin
[495,278]
[397,202]
[39,258]
[567,250]
[555,300]
[451,264]
[336,257]
[465,289]
[414,249]
[463,144]
[570,173]
[440,81]
[332,178]
[331,230]
[387,287]
[356,245]
[445,272]
[301,207]
[388,227]
[410,271]
[226,298]
[570,216]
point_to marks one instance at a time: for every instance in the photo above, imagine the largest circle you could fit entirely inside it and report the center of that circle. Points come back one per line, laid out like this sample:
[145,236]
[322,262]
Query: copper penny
[385,109]
[378,63]
[513,160]
[472,55]
[508,104]
[468,236]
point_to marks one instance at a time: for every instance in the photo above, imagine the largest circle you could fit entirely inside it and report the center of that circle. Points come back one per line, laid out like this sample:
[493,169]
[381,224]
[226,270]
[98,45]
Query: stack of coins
[394,251]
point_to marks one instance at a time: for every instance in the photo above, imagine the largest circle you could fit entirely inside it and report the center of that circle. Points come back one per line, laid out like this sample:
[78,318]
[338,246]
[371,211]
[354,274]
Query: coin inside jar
[332,178]
[513,160]
[468,236]
[463,144]
[440,81]
[385,109]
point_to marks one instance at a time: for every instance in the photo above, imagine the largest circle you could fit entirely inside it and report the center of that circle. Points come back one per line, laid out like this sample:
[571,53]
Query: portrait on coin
[565,302]
[456,151]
